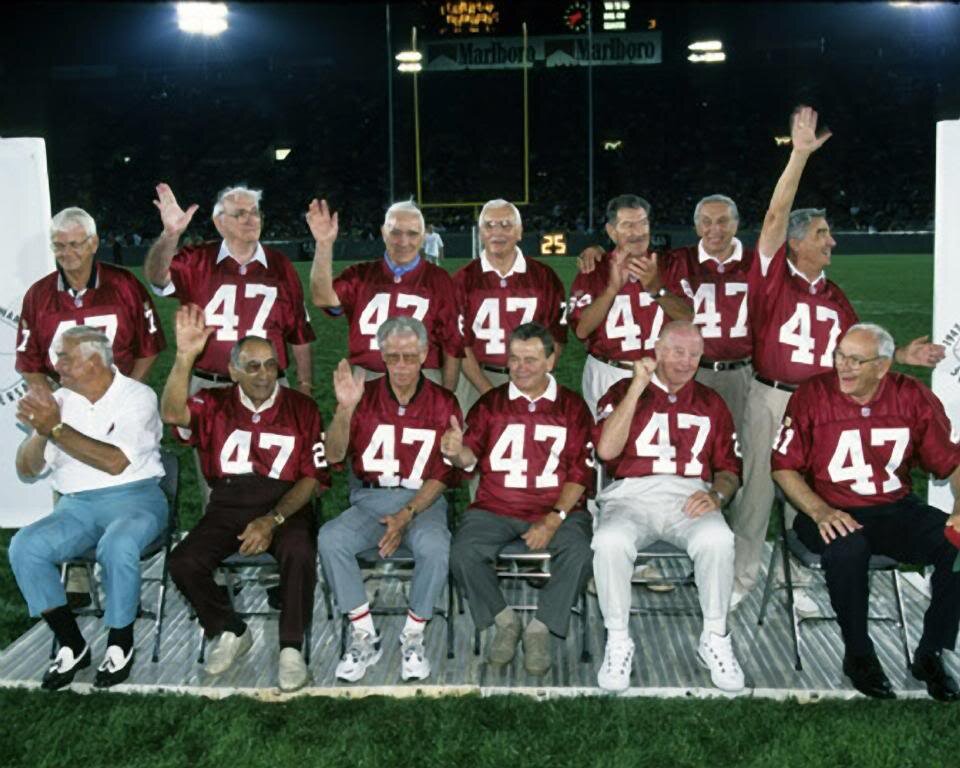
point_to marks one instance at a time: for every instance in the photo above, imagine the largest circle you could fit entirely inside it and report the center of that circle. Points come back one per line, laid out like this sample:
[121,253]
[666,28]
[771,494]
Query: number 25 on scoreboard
[553,244]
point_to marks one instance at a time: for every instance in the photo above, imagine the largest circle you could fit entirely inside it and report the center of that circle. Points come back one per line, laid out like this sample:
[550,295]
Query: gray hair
[625,201]
[677,327]
[715,199]
[886,346]
[238,348]
[89,342]
[500,203]
[73,217]
[401,325]
[405,206]
[236,191]
[800,221]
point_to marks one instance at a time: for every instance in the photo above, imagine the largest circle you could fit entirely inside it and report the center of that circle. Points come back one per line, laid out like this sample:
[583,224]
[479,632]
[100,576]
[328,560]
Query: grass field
[43,729]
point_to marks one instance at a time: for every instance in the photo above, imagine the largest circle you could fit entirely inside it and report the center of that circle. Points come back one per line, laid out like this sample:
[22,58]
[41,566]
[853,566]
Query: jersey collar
[519,264]
[393,396]
[797,273]
[399,270]
[737,254]
[247,403]
[550,393]
[92,283]
[259,255]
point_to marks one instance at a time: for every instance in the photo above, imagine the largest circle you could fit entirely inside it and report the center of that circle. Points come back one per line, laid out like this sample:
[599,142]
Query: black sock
[121,636]
[923,649]
[235,625]
[298,646]
[64,626]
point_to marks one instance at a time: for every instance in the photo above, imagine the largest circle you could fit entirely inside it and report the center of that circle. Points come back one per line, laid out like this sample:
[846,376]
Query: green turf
[39,729]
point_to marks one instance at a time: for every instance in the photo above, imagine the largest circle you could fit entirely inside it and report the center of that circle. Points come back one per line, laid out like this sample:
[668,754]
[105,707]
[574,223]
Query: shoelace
[618,656]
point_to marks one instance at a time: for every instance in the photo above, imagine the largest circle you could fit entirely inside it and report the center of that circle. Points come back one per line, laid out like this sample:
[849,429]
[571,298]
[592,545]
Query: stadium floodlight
[409,57]
[705,45]
[711,57]
[208,19]
[410,67]
[913,5]
[281,153]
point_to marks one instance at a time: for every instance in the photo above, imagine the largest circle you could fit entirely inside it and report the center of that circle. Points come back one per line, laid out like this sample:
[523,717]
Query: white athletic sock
[413,624]
[618,635]
[360,618]
[716,626]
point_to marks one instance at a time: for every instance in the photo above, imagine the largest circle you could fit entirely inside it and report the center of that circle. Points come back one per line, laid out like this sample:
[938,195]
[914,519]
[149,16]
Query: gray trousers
[358,528]
[483,534]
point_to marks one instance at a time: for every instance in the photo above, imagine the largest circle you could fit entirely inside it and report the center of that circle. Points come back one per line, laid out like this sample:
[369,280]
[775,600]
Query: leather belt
[724,365]
[626,364]
[777,384]
[217,378]
[495,368]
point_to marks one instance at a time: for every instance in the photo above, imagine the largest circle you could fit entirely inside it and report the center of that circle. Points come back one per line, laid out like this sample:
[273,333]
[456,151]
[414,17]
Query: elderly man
[391,428]
[530,440]
[401,283]
[670,445]
[844,456]
[618,308]
[496,293]
[99,435]
[82,291]
[261,450]
[243,288]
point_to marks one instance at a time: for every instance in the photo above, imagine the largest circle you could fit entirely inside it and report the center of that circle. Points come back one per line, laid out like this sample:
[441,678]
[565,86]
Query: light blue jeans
[120,522]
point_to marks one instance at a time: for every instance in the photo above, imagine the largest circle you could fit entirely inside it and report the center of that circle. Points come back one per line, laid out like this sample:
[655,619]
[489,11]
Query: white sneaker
[292,672]
[716,654]
[805,606]
[364,651]
[226,649]
[614,673]
[415,665]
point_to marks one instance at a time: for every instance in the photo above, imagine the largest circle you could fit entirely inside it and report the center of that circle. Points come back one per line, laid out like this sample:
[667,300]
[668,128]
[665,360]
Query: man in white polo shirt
[99,435]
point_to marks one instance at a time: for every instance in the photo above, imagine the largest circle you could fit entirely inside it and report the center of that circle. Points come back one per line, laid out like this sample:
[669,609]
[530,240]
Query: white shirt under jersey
[125,417]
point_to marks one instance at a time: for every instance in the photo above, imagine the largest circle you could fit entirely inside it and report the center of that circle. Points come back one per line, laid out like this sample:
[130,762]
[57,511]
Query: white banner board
[946,286]
[25,250]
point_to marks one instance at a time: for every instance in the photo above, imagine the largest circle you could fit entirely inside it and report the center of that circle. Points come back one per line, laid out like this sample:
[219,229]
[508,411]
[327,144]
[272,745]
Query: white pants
[598,377]
[634,513]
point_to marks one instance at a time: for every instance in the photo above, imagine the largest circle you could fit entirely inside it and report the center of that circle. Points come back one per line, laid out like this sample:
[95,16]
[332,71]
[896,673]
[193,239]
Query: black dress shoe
[64,667]
[115,667]
[867,676]
[928,668]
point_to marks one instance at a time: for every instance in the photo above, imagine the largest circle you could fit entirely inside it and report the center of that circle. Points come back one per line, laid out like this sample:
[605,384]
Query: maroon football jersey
[116,303]
[856,455]
[796,325]
[720,295]
[242,300]
[689,434]
[633,323]
[491,307]
[369,293]
[284,442]
[527,451]
[399,445]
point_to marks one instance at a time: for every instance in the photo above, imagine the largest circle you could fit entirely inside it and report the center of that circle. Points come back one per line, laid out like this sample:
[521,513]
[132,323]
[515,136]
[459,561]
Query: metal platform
[665,663]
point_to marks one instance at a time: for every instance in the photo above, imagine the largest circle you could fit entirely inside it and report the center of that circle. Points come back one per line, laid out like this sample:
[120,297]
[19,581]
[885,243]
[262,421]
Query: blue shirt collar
[400,269]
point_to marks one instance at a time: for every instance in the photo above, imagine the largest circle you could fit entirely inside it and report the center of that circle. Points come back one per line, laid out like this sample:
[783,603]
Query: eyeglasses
[244,214]
[392,358]
[852,360]
[254,366]
[492,224]
[70,246]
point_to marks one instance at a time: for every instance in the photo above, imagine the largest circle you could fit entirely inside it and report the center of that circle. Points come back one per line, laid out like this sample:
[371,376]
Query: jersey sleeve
[582,293]
[202,406]
[724,450]
[936,442]
[791,444]
[313,459]
[345,286]
[299,330]
[464,323]
[183,275]
[556,299]
[448,315]
[437,468]
[476,427]
[578,461]
[30,354]
[149,337]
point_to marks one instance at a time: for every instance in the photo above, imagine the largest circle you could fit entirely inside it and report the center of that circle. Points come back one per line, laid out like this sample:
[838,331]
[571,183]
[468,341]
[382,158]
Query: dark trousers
[483,534]
[234,502]
[907,530]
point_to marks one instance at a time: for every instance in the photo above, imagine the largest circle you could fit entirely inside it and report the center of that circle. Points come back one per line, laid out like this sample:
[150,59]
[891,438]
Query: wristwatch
[562,513]
[278,518]
[56,430]
[658,294]
[720,497]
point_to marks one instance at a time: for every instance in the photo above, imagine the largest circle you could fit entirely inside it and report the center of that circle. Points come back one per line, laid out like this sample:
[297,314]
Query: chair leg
[94,590]
[901,616]
[791,610]
[476,642]
[161,606]
[203,646]
[584,629]
[450,617]
[767,584]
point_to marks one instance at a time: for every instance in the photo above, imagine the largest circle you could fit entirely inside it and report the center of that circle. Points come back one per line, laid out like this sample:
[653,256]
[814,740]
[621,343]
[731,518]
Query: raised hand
[192,330]
[921,352]
[452,441]
[619,270]
[803,130]
[589,258]
[347,385]
[324,225]
[647,271]
[175,219]
[642,370]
